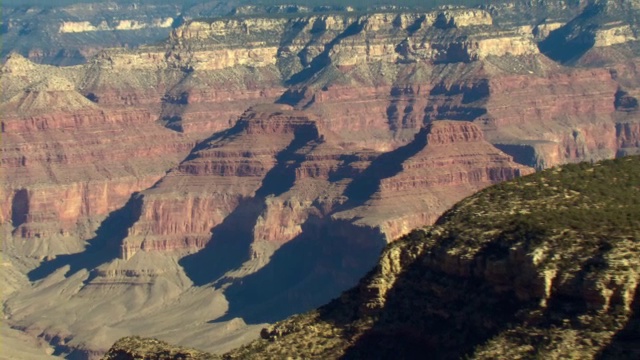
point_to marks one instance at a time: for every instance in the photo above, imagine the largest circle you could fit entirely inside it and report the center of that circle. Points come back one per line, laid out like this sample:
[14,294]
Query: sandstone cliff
[166,169]
[489,280]
[277,167]
[67,33]
[278,185]
[67,162]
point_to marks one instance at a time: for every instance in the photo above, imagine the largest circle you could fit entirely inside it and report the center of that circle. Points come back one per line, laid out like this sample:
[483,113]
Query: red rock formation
[451,161]
[628,136]
[579,93]
[180,211]
[67,162]
[381,117]
[337,173]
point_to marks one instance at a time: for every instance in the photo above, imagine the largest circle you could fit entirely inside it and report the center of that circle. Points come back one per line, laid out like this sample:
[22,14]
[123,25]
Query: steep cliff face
[181,210]
[445,161]
[274,194]
[383,120]
[539,267]
[67,162]
[393,64]
[277,166]
[70,34]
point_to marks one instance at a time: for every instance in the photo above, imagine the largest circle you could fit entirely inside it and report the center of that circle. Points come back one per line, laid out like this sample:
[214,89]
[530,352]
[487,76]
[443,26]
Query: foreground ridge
[543,266]
[137,348]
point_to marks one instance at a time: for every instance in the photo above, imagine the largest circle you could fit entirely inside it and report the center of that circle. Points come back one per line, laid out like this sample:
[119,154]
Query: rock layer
[383,121]
[67,162]
[487,281]
[289,165]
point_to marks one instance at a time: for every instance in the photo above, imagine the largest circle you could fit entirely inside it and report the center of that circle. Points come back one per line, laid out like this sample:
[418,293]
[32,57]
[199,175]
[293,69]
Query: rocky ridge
[68,162]
[540,266]
[374,110]
[70,34]
[313,179]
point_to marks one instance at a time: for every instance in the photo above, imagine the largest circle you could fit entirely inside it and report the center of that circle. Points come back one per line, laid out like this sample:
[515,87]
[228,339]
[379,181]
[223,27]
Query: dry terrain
[254,166]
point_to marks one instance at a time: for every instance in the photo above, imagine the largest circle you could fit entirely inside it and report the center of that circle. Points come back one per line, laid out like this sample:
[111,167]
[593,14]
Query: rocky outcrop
[589,93]
[199,194]
[86,26]
[274,193]
[70,34]
[205,76]
[163,81]
[136,347]
[600,24]
[240,168]
[448,159]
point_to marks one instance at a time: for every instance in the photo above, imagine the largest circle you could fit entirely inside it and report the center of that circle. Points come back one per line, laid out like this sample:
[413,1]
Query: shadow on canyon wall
[436,315]
[571,41]
[625,344]
[430,314]
[320,62]
[409,328]
[19,208]
[328,257]
[231,240]
[384,166]
[104,247]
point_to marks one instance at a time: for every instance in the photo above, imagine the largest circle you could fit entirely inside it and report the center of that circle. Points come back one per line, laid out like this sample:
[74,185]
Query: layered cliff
[447,160]
[274,194]
[277,167]
[174,165]
[543,266]
[522,269]
[222,174]
[70,33]
[67,162]
[395,69]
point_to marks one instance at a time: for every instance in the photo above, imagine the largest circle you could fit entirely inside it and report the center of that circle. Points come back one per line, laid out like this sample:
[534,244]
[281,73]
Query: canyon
[541,266]
[252,167]
[70,32]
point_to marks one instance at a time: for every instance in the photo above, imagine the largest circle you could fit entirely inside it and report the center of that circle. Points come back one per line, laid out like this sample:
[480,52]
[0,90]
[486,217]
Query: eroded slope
[385,120]
[543,266]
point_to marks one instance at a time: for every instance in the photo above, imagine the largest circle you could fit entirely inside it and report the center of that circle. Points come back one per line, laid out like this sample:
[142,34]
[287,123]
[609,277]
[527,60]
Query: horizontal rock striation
[67,162]
[183,208]
[448,159]
[86,26]
[532,287]
[381,122]
[282,152]
[70,34]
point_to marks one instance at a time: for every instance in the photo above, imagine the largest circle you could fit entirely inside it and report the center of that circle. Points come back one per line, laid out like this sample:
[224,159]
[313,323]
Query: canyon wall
[485,281]
[245,146]
[67,163]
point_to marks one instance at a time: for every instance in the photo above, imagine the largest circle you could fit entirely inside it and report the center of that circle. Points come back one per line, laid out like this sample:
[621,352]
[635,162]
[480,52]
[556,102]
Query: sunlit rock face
[243,147]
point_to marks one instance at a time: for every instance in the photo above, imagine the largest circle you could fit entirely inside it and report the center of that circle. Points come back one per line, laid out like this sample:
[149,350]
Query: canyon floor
[254,166]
